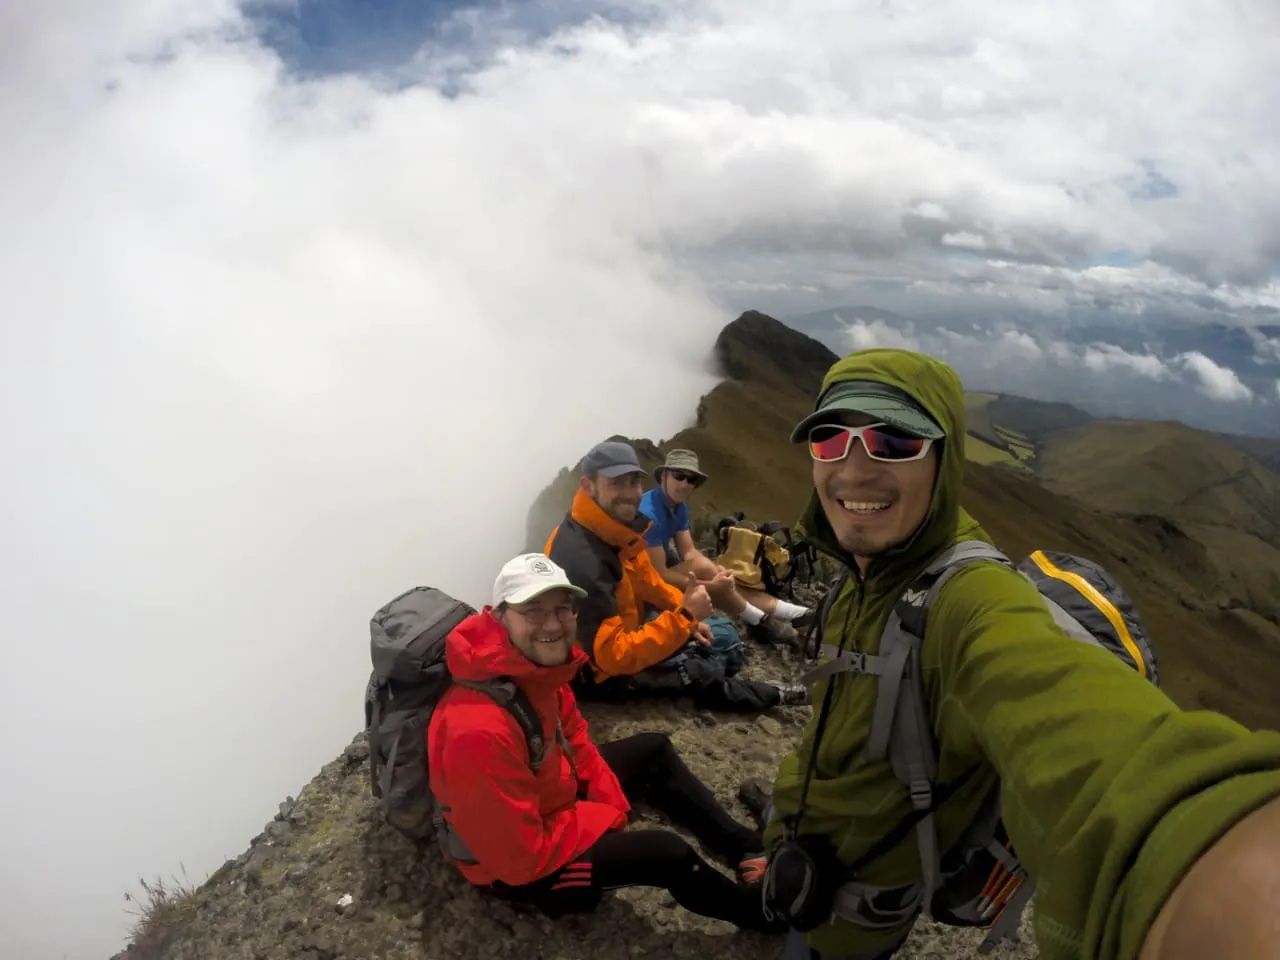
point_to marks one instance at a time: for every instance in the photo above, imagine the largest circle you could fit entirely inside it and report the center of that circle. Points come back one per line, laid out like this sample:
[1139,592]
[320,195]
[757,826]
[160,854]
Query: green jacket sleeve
[1109,791]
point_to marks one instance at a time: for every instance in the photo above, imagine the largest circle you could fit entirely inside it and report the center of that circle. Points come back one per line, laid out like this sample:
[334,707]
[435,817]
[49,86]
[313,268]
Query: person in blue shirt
[683,565]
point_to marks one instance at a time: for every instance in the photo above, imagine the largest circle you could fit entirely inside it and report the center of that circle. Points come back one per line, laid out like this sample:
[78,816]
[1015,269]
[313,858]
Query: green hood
[935,386]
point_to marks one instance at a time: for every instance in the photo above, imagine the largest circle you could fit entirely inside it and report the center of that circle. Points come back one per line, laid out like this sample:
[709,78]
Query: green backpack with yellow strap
[980,882]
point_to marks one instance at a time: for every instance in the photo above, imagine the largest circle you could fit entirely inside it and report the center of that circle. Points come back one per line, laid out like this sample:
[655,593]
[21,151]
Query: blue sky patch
[320,37]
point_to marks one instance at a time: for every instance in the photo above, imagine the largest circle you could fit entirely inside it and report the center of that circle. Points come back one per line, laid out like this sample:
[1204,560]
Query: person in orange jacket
[636,628]
[555,836]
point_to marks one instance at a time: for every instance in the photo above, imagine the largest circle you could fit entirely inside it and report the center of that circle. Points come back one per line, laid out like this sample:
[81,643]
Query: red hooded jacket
[519,826]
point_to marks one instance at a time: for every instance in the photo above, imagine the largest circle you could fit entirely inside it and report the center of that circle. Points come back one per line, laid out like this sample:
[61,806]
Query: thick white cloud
[272,352]
[1019,344]
[1214,381]
[1266,349]
[868,334]
[1036,139]
[1101,377]
[1101,357]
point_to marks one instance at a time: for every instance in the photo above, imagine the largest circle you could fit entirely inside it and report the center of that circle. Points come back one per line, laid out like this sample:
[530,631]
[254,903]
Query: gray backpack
[980,882]
[409,677]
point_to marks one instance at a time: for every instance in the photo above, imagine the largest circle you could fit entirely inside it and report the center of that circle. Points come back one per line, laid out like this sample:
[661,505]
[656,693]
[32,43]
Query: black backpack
[409,678]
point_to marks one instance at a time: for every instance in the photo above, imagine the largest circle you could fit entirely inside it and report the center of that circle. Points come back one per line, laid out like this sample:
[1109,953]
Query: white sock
[751,614]
[789,611]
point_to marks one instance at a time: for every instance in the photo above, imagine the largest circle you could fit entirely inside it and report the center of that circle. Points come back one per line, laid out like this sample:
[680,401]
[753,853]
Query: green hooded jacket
[1109,791]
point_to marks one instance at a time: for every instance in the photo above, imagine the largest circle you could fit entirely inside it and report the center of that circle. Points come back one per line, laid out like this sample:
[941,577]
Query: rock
[286,807]
[758,754]
[290,924]
[356,752]
[769,726]
[321,943]
[279,830]
[258,858]
[343,906]
[686,949]
[394,892]
[524,931]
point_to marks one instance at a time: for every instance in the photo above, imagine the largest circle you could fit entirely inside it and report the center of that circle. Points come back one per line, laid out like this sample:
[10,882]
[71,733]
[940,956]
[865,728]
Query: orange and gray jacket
[610,561]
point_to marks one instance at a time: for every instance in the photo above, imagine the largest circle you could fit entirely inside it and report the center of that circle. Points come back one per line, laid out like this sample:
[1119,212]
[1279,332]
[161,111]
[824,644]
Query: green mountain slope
[1138,466]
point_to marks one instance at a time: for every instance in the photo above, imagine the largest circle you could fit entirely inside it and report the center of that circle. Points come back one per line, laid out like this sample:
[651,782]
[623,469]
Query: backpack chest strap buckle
[844,661]
[921,794]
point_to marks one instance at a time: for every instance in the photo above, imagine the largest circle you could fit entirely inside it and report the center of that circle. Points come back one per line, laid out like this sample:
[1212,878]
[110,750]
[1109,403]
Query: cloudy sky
[303,301]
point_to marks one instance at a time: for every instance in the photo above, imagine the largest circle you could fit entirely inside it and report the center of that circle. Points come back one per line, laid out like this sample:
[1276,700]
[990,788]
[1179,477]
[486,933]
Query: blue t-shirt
[667,520]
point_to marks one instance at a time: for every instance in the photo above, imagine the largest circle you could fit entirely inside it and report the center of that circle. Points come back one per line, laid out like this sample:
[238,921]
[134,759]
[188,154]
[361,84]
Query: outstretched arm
[1228,905]
[1111,793]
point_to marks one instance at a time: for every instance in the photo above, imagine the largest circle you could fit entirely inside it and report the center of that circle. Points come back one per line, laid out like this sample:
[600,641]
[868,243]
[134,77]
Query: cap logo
[540,566]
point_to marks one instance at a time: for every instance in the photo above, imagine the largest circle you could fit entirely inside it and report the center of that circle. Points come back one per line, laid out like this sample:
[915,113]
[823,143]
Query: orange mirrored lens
[831,442]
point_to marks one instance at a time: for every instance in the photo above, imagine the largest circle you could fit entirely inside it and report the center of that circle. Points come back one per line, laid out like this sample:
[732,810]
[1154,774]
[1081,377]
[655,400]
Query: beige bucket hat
[684,460]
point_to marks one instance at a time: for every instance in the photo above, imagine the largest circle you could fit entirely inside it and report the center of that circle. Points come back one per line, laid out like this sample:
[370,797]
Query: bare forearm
[678,578]
[1228,904]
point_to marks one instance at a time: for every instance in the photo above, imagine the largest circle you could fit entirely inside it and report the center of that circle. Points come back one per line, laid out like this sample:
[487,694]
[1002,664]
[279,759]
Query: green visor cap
[886,404]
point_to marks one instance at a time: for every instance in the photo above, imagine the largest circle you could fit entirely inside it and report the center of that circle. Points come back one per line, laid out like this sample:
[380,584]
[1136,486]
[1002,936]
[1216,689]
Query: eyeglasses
[537,616]
[685,477]
[830,442]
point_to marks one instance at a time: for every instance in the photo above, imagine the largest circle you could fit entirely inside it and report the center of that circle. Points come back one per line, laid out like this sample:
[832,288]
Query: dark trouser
[686,675]
[651,771]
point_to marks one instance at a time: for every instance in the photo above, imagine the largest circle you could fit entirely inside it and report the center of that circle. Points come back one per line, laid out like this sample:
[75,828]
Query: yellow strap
[1105,606]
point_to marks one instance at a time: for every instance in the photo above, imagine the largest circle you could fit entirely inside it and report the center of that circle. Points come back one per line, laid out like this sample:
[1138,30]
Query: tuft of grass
[161,912]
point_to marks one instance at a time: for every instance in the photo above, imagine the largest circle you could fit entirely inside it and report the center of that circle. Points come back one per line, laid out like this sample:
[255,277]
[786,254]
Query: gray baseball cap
[613,458]
[887,404]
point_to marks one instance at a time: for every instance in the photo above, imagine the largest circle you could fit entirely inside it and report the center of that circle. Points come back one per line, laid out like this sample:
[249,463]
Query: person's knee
[653,744]
[664,749]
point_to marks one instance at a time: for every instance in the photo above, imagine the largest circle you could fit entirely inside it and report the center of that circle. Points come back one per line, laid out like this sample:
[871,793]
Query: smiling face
[544,628]
[619,497]
[678,485]
[873,506]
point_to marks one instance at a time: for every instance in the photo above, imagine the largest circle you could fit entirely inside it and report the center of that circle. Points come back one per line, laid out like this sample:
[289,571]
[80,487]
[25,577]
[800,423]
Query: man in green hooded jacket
[1109,792]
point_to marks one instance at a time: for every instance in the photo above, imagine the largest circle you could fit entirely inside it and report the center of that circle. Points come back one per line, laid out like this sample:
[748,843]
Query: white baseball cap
[530,575]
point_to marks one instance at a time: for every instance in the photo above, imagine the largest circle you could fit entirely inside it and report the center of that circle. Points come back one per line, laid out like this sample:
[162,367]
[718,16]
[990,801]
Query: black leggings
[650,770]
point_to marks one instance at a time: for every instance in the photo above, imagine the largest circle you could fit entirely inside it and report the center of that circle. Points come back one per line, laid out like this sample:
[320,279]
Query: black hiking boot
[771,632]
[793,694]
[802,622]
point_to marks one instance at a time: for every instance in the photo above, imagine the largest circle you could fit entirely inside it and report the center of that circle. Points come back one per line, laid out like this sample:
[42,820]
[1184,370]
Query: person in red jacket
[556,837]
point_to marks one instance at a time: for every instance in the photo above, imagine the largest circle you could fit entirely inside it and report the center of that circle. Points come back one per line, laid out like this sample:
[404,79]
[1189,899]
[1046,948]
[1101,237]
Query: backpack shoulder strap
[901,729]
[813,639]
[506,694]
